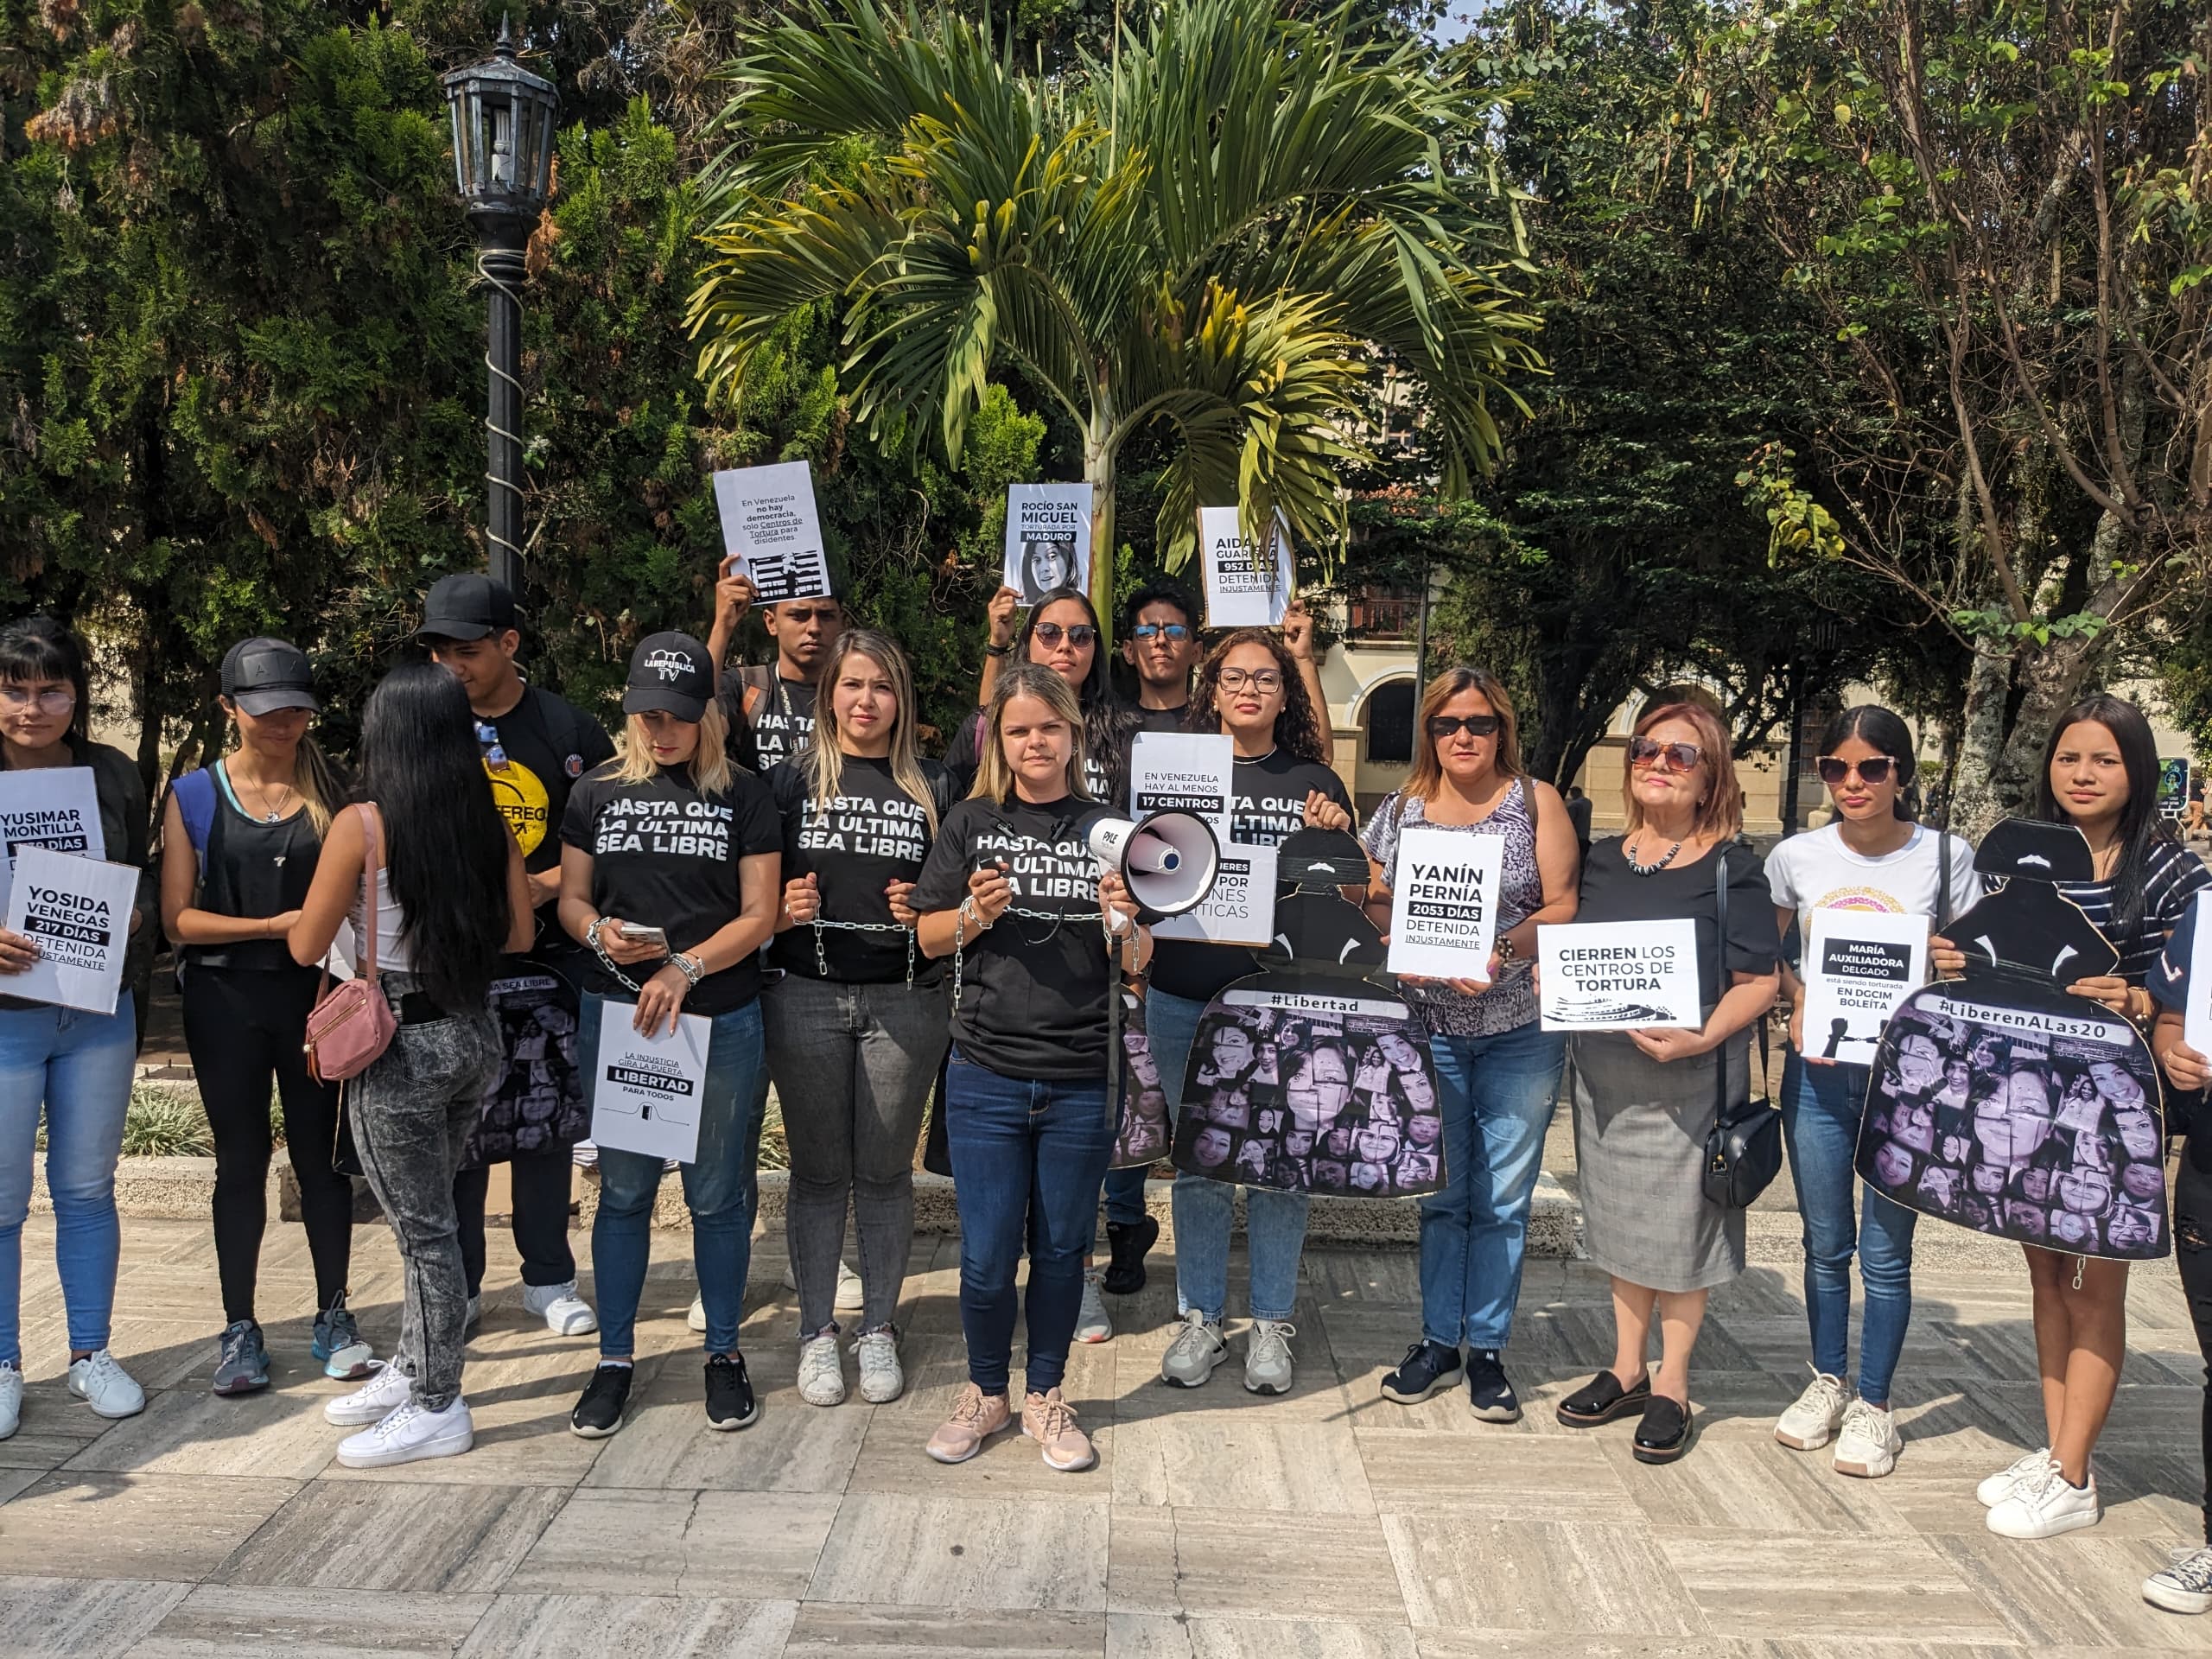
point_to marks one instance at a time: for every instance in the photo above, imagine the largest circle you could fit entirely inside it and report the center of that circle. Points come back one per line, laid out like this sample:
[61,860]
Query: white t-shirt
[1816,871]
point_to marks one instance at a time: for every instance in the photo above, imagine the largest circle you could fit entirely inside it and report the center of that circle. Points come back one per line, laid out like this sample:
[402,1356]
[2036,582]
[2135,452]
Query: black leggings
[244,1028]
[2193,1255]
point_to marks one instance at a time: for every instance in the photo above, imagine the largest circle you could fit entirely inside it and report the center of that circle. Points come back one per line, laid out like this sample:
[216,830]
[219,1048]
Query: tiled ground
[1217,1526]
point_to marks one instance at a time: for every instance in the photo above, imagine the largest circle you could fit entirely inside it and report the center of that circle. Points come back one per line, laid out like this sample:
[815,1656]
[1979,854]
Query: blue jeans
[1498,1093]
[1821,1108]
[78,1067]
[719,1189]
[1275,1223]
[1027,1158]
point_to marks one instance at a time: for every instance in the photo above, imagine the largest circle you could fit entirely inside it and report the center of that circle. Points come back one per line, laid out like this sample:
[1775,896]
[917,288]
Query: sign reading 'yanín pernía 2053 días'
[1444,904]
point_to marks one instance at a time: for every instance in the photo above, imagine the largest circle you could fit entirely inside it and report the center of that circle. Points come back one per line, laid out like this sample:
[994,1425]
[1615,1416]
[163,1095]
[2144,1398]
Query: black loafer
[1664,1435]
[1127,1242]
[1602,1399]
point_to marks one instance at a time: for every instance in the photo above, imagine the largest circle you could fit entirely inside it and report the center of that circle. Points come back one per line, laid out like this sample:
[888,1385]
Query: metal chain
[822,960]
[1057,917]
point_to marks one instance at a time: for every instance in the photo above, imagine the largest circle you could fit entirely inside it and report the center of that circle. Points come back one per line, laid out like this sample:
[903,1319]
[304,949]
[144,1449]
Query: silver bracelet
[690,966]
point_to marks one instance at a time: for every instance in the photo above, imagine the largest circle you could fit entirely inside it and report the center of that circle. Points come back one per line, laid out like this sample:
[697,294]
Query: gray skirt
[1640,1130]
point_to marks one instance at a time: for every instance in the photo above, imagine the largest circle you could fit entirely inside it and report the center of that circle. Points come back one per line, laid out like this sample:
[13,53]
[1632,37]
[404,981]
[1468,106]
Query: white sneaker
[697,1319]
[850,1298]
[565,1313]
[1198,1348]
[821,1372]
[2045,1505]
[2183,1586]
[1266,1357]
[881,1379]
[1811,1423]
[1092,1323]
[468,1320]
[387,1389]
[408,1435]
[1999,1487]
[11,1400]
[105,1386]
[1869,1442]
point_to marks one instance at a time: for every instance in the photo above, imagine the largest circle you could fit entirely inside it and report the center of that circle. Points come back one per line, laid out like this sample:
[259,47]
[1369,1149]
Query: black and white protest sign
[1444,908]
[1248,582]
[1241,909]
[77,911]
[771,532]
[1859,965]
[646,1091]
[1617,975]
[1174,772]
[1047,538]
[54,807]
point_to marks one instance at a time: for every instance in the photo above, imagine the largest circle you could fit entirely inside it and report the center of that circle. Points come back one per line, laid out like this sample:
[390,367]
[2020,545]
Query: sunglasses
[1442,726]
[1642,752]
[1874,770]
[1175,632]
[1081,633]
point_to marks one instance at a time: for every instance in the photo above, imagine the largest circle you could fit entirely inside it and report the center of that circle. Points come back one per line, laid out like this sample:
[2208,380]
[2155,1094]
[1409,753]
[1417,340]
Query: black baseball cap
[262,676]
[669,674]
[466,607]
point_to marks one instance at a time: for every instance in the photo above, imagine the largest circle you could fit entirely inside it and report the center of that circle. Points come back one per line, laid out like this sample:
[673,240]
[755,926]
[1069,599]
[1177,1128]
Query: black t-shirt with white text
[665,855]
[1270,804]
[1032,991]
[870,833]
[782,718]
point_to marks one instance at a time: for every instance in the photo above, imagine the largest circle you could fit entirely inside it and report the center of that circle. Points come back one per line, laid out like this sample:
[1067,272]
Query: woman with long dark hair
[856,1023]
[74,1065]
[2101,774]
[669,873]
[1874,855]
[239,842]
[1497,1068]
[1011,893]
[1248,690]
[450,897]
[1062,633]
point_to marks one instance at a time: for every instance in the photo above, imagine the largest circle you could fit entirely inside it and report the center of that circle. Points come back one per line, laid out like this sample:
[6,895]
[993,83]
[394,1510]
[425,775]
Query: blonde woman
[1011,892]
[239,842]
[670,866]
[856,1024]
[1645,1101]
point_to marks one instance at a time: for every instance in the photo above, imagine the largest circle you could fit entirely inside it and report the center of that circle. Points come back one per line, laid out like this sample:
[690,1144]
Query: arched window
[1389,719]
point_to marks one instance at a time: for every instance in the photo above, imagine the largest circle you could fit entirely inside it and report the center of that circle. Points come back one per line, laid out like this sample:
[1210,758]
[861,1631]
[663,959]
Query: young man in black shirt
[536,746]
[773,706]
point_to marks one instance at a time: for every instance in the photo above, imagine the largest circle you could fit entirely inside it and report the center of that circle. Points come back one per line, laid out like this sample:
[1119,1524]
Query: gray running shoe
[243,1367]
[338,1343]
[1198,1348]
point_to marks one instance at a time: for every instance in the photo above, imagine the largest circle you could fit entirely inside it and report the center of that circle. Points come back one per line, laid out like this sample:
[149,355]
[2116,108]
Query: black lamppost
[503,120]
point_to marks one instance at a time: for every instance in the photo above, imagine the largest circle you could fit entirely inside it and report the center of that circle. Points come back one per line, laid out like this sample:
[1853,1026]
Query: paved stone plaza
[1218,1525]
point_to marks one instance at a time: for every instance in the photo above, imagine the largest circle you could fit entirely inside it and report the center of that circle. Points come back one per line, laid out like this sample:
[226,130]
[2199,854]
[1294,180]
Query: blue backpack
[195,794]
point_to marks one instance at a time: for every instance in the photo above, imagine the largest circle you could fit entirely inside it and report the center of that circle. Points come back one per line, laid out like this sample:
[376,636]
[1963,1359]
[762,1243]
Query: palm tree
[1223,227]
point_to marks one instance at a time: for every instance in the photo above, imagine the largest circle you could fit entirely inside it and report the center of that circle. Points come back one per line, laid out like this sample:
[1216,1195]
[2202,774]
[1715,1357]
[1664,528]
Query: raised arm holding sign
[772,532]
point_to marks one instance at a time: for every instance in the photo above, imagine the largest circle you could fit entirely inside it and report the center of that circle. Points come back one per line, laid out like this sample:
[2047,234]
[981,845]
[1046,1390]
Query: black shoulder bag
[1743,1152]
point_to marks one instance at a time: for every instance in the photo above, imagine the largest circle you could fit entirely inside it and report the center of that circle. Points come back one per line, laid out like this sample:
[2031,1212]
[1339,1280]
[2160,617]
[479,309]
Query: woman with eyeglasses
[1646,1100]
[1873,857]
[2100,775]
[856,1024]
[1250,691]
[1496,1069]
[73,1064]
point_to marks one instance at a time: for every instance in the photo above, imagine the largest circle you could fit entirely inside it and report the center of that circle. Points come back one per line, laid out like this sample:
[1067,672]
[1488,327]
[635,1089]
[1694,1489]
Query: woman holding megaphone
[856,1023]
[1248,690]
[1012,893]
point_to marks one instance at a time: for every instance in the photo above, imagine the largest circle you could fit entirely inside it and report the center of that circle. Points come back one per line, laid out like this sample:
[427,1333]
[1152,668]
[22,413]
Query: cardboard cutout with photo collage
[2001,1104]
[1307,1075]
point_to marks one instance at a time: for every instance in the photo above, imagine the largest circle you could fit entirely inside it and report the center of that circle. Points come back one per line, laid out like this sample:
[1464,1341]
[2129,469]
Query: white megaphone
[1168,860]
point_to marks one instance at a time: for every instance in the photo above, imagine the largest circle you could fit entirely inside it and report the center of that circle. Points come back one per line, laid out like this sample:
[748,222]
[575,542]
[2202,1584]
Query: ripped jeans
[2192,1256]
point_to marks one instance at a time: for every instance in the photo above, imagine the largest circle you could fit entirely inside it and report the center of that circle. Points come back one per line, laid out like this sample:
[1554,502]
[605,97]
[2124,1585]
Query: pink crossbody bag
[352,1021]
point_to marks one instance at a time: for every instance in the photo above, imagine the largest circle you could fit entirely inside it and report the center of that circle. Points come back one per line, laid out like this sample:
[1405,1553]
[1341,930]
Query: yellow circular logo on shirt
[522,801]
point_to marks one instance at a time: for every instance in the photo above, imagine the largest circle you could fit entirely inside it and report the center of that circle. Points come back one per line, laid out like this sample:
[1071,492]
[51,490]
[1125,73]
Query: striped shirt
[2173,876]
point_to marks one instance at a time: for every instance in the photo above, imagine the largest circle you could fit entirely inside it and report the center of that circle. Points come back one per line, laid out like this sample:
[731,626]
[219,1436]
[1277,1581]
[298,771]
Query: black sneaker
[730,1403]
[1127,1241]
[1489,1393]
[599,1414]
[1427,1367]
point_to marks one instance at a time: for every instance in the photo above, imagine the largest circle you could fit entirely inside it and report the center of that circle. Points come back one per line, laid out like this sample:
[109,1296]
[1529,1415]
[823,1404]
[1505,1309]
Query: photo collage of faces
[1306,1102]
[538,1100]
[2041,1138]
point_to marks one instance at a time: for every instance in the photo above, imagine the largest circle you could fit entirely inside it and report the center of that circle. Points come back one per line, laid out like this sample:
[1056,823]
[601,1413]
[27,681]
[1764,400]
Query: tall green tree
[1212,233]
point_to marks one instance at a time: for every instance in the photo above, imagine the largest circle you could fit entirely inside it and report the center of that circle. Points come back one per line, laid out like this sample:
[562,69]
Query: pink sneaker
[1049,1420]
[975,1417]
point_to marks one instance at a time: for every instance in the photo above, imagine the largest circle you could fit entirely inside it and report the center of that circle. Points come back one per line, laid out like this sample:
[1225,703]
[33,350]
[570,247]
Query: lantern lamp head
[502,122]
